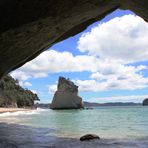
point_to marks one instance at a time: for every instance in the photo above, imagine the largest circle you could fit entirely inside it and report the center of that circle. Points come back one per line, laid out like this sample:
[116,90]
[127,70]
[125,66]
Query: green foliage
[12,94]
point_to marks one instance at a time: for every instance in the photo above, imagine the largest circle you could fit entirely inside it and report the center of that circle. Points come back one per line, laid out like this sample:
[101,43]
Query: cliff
[66,96]
[13,95]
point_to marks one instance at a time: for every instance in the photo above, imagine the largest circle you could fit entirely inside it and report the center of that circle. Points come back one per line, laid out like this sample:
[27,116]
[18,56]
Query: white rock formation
[66,96]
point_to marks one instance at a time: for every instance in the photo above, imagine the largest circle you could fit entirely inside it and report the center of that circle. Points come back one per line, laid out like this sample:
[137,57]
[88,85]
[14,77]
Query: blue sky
[108,61]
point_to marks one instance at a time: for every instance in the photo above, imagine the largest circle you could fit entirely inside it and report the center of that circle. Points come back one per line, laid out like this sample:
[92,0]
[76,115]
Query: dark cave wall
[29,27]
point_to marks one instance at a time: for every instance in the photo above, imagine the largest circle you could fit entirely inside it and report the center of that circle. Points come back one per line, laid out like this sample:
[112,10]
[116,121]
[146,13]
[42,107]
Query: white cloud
[119,72]
[119,77]
[106,74]
[53,62]
[123,39]
[112,82]
[132,98]
[27,84]
[90,85]
[20,75]
[52,88]
[34,91]
[131,83]
[111,45]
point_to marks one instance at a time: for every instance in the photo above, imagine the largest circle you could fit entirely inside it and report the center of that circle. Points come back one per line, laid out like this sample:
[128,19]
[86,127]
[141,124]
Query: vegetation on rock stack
[13,95]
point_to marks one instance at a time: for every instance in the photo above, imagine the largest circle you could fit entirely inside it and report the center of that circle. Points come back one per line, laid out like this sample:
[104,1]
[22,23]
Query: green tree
[12,94]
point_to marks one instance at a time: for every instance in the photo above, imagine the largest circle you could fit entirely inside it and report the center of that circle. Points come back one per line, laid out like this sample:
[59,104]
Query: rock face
[29,27]
[66,96]
[145,102]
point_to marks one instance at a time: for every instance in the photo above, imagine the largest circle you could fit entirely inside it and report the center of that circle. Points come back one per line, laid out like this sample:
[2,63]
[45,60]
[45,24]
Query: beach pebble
[89,137]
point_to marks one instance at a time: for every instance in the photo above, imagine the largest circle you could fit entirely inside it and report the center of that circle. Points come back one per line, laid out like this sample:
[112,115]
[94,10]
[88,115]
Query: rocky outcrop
[145,102]
[28,27]
[66,96]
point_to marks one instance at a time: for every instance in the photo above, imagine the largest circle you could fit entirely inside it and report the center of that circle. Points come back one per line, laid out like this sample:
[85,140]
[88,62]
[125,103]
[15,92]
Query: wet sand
[20,136]
[4,110]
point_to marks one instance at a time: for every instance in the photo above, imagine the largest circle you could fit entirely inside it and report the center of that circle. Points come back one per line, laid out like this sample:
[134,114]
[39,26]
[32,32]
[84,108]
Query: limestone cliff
[66,96]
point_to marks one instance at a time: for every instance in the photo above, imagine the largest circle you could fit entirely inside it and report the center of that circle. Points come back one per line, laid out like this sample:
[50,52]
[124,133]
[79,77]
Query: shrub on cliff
[12,94]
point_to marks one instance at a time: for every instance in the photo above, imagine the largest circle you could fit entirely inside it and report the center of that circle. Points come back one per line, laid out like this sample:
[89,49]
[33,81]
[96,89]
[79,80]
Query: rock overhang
[30,27]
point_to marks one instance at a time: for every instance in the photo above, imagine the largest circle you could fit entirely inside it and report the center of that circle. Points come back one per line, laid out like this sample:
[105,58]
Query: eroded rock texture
[66,96]
[28,27]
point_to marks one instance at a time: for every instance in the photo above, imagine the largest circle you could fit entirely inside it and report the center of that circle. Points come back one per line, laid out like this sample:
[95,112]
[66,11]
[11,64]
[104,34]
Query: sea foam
[17,113]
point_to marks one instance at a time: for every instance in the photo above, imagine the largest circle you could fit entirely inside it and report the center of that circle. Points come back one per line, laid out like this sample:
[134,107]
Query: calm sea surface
[107,122]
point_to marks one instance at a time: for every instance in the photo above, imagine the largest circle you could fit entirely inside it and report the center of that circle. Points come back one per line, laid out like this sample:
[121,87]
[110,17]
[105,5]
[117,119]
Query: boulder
[145,102]
[29,27]
[66,96]
[89,137]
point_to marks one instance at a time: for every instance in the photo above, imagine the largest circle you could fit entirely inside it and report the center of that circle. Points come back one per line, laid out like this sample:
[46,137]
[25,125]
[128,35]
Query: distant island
[93,104]
[90,104]
[12,95]
[43,105]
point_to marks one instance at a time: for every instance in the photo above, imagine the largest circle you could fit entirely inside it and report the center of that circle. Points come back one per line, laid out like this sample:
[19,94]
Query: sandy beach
[4,110]
[20,136]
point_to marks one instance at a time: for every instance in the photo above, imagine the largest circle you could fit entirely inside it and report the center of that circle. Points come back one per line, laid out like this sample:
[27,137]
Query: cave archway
[30,27]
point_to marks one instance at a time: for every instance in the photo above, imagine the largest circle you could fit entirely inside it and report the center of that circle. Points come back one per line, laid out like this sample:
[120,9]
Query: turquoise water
[107,122]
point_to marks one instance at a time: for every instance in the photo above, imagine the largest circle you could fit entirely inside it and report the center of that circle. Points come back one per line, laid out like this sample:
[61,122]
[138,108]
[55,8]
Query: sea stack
[66,96]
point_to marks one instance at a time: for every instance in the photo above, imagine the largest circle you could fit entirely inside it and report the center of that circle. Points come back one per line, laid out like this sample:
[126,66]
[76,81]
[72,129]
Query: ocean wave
[41,109]
[18,113]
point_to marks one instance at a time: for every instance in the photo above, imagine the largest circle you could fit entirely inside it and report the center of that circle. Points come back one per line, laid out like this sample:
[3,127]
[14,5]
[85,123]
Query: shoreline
[11,110]
[41,138]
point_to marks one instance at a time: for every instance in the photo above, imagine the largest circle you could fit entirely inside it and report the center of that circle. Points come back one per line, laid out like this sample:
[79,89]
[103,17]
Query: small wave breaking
[18,113]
